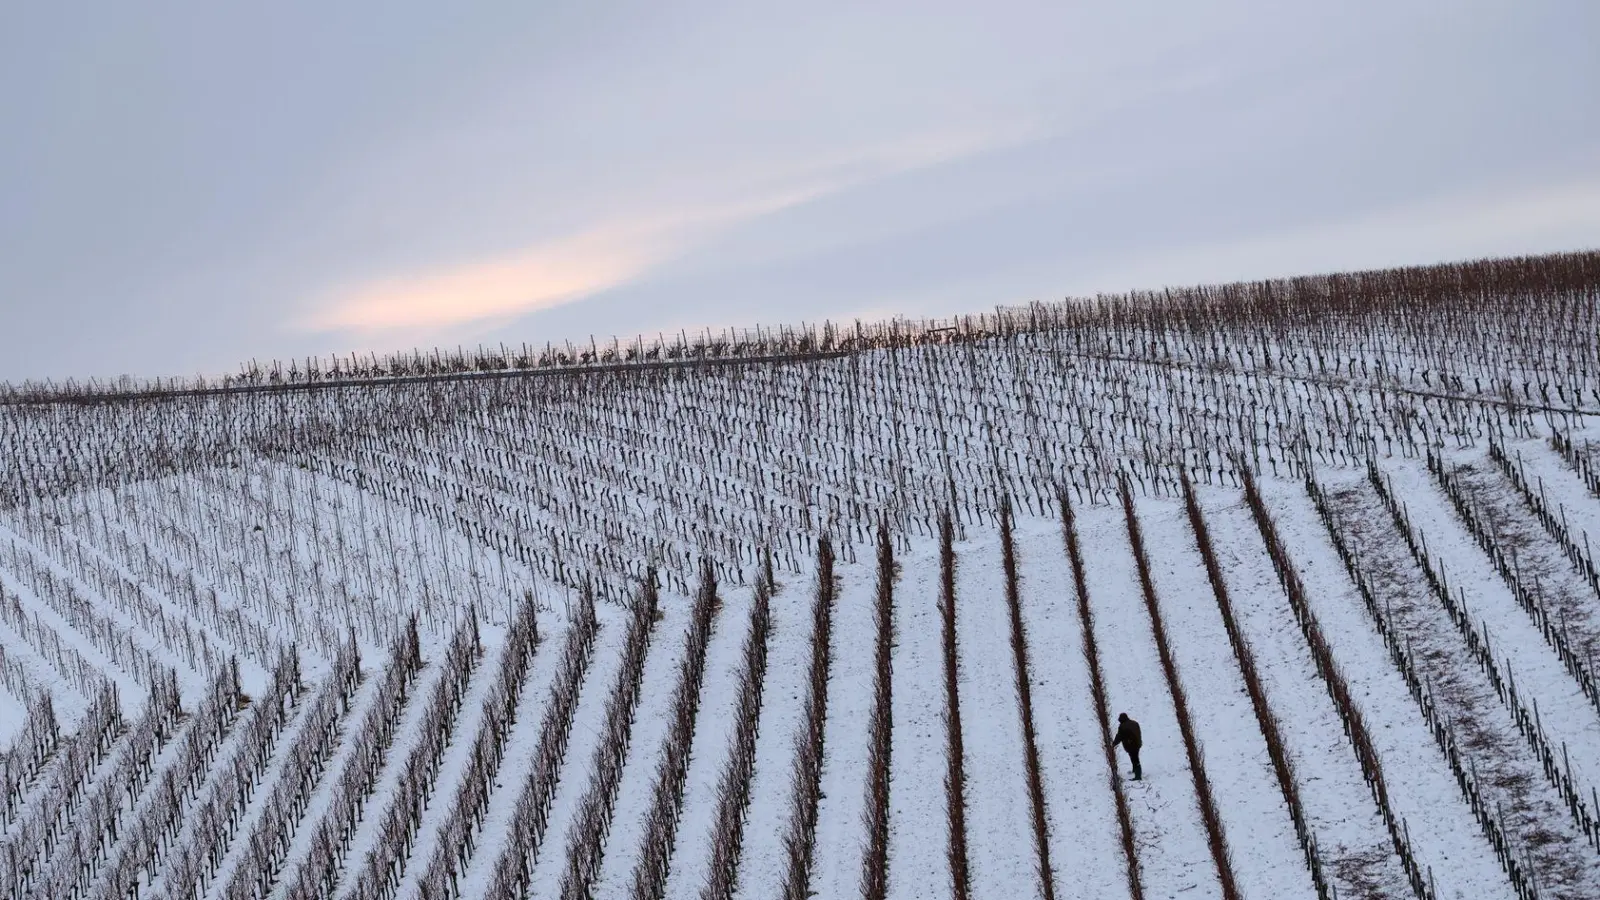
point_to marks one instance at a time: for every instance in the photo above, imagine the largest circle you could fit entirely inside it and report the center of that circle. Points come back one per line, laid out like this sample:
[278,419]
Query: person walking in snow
[1128,736]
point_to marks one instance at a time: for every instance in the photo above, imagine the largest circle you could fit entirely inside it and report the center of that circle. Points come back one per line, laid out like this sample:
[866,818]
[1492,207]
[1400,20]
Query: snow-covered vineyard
[843,612]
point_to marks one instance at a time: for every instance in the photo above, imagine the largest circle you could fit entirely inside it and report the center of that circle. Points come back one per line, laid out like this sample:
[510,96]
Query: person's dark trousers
[1133,757]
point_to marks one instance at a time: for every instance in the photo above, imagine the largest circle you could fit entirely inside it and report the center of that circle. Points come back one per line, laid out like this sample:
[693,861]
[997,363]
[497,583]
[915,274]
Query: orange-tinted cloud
[568,269]
[539,277]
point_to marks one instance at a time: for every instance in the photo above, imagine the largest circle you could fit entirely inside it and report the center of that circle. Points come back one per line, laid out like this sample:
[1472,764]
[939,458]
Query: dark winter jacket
[1128,735]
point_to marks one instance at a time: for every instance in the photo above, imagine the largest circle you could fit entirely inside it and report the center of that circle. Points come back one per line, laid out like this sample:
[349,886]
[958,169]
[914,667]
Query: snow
[841,837]
[1085,839]
[1350,834]
[1255,818]
[264,788]
[48,617]
[762,867]
[1173,857]
[521,744]
[1445,837]
[13,715]
[1566,714]
[456,755]
[713,734]
[1563,488]
[1000,841]
[918,824]
[586,724]
[406,734]
[31,671]
[317,807]
[650,728]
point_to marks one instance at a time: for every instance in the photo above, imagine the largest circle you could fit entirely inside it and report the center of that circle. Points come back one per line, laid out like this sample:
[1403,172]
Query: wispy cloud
[541,276]
[568,268]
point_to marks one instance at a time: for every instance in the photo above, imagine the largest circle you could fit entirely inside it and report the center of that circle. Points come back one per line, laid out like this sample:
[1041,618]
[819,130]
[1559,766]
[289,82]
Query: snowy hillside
[843,612]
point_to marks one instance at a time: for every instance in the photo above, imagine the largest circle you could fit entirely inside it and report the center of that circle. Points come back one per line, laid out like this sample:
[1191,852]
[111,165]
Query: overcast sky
[185,186]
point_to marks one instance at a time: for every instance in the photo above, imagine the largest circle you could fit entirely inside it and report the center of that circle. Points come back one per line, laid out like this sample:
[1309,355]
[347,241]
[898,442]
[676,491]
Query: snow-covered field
[392,639]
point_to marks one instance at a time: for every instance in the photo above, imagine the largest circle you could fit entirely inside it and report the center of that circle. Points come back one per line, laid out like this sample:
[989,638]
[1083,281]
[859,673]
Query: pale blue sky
[184,186]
